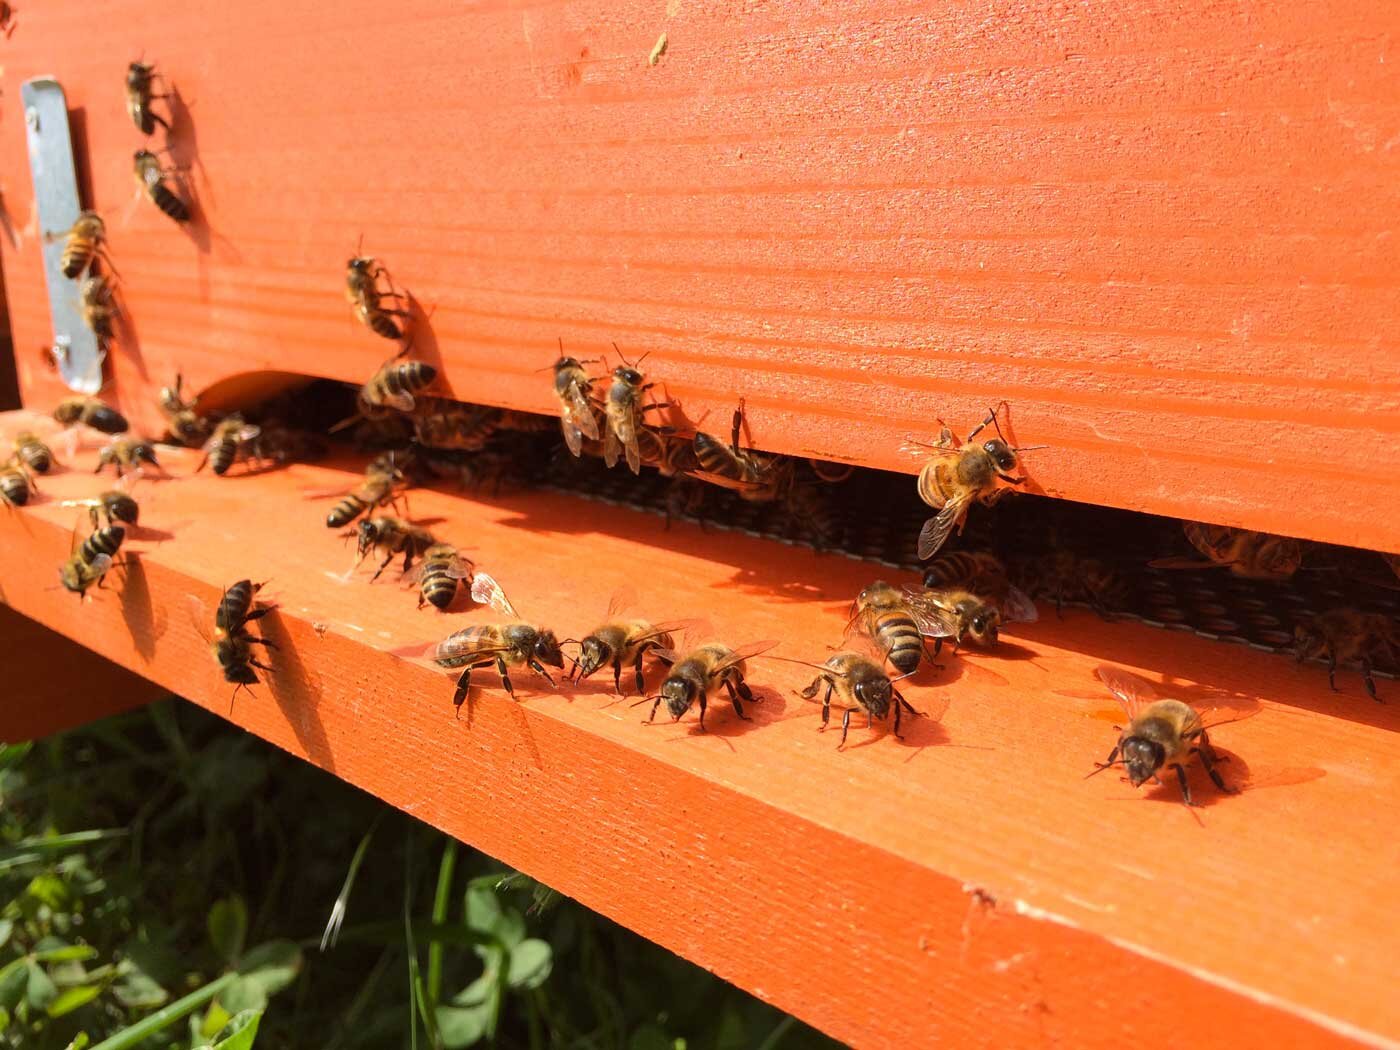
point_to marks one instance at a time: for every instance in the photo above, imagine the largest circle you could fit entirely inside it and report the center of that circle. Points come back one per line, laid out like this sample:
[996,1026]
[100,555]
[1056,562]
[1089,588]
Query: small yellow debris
[657,51]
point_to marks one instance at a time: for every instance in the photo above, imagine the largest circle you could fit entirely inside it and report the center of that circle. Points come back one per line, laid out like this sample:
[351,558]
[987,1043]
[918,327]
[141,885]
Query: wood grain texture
[845,887]
[1165,232]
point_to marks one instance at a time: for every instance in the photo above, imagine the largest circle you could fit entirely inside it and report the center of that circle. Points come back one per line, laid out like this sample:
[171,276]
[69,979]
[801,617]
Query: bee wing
[734,484]
[1133,693]
[1017,607]
[1213,541]
[461,568]
[459,644]
[399,399]
[486,591]
[925,449]
[625,597]
[669,656]
[634,450]
[938,528]
[1219,711]
[928,613]
[579,413]
[199,616]
[573,435]
[743,652]
[612,447]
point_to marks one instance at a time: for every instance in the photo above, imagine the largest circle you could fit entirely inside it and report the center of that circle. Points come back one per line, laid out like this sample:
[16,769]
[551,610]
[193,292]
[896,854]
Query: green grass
[170,881]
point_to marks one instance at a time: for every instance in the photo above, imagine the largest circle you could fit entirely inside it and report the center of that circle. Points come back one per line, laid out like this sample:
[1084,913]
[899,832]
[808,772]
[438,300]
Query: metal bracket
[75,348]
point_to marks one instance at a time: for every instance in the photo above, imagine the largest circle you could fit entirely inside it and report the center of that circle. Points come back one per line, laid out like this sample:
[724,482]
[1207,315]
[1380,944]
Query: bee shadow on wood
[142,620]
[182,147]
[423,341]
[296,689]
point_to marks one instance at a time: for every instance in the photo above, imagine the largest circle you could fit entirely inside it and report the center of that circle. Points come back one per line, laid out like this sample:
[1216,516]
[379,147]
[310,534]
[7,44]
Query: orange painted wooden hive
[1165,237]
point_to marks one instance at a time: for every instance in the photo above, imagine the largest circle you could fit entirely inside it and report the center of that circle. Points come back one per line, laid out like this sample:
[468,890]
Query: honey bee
[1165,733]
[126,454]
[1252,555]
[956,475]
[98,307]
[393,536]
[437,575]
[89,411]
[232,643]
[83,242]
[573,388]
[882,613]
[698,675]
[90,561]
[232,440]
[623,414]
[150,176]
[754,476]
[183,423]
[504,645]
[16,484]
[1347,636]
[618,641]
[7,18]
[362,275]
[441,423]
[977,571]
[958,614]
[114,505]
[859,682]
[394,385]
[140,80]
[383,479]
[670,456]
[1063,576]
[32,452]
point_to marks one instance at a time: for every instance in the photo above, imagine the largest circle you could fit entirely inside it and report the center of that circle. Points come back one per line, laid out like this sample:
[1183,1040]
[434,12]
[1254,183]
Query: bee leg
[652,716]
[382,567]
[1010,480]
[937,646]
[734,699]
[1209,760]
[617,673]
[268,642]
[1369,680]
[1332,669]
[540,668]
[897,706]
[1112,757]
[258,613]
[464,683]
[505,676]
[1185,787]
[845,728]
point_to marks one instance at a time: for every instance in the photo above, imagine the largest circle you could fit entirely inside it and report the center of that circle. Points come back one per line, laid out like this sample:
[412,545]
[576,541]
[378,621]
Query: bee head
[240,674]
[874,694]
[567,364]
[983,625]
[138,70]
[593,653]
[679,694]
[1307,641]
[361,264]
[366,532]
[1003,455]
[546,649]
[877,594]
[1142,758]
[627,374]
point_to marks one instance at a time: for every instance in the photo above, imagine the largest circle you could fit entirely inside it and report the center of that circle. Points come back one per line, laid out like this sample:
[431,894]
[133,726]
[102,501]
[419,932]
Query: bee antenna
[1028,448]
[1100,768]
[643,700]
[906,674]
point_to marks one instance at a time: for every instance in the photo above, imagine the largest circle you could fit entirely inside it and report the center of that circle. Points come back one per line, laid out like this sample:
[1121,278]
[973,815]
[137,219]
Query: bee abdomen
[233,609]
[931,489]
[103,541]
[346,511]
[439,588]
[36,456]
[382,324]
[409,377]
[167,202]
[221,456]
[105,418]
[716,458]
[75,258]
[14,488]
[900,636]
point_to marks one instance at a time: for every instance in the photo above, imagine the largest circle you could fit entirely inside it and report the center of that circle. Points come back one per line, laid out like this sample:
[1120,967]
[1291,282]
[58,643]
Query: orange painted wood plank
[53,683]
[1166,234]
[965,886]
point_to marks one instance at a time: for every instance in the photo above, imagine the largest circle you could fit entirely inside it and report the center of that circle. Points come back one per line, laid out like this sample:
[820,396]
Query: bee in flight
[1252,555]
[1164,734]
[443,567]
[83,242]
[754,476]
[232,643]
[882,613]
[377,310]
[32,452]
[623,413]
[380,488]
[140,85]
[504,645]
[573,388]
[184,423]
[861,683]
[231,441]
[699,674]
[956,475]
[392,536]
[89,411]
[16,484]
[90,561]
[620,641]
[151,178]
[114,505]
[127,454]
[97,303]
[1348,636]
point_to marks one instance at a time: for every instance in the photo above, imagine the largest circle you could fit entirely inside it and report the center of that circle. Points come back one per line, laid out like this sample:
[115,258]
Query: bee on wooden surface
[755,476]
[859,682]
[383,480]
[622,641]
[438,574]
[392,537]
[502,645]
[573,387]
[231,441]
[184,424]
[114,505]
[881,612]
[90,412]
[91,560]
[669,455]
[956,475]
[1061,575]
[98,307]
[959,614]
[977,571]
[442,423]
[32,452]
[151,177]
[393,386]
[16,484]
[1347,636]
[7,18]
[83,242]
[623,413]
[699,674]
[140,85]
[232,643]
[1165,734]
[1252,555]
[127,454]
[375,309]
